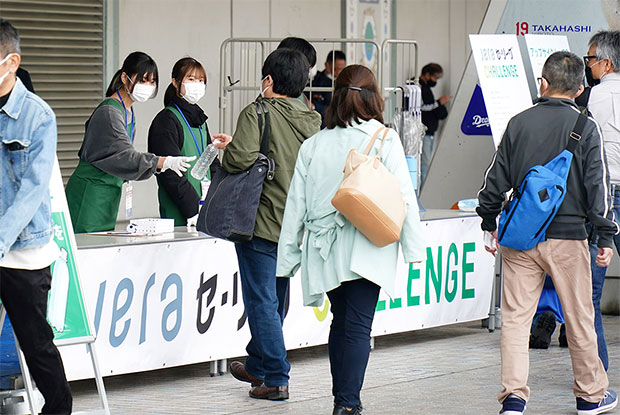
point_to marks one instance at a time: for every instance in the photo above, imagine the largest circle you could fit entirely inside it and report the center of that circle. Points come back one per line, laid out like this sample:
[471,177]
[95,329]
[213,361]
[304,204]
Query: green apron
[167,206]
[93,195]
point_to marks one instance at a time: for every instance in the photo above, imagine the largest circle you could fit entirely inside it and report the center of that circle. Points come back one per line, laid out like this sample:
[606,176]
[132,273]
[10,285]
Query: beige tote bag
[369,196]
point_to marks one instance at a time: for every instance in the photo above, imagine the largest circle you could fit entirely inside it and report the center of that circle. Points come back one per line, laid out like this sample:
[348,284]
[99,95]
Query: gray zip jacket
[535,136]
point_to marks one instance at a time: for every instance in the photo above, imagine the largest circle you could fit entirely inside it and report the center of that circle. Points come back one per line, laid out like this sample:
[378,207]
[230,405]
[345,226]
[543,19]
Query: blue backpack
[532,207]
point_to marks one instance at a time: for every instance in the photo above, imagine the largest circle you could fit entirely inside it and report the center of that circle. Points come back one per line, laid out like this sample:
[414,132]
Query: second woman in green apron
[181,129]
[107,155]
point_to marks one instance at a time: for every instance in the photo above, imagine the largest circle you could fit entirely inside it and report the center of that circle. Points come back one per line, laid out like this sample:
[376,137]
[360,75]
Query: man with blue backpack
[552,159]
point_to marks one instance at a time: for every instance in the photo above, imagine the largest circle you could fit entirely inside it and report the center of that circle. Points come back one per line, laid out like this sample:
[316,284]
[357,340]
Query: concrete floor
[447,370]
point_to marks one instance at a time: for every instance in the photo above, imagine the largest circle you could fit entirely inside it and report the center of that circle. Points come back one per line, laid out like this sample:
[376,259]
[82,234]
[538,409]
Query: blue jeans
[598,279]
[264,297]
[353,306]
[428,145]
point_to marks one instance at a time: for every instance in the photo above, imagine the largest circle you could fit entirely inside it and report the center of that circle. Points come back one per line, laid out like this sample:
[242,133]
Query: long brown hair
[356,97]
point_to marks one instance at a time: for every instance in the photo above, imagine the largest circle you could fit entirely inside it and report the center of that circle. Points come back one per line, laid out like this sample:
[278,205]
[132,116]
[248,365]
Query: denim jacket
[28,134]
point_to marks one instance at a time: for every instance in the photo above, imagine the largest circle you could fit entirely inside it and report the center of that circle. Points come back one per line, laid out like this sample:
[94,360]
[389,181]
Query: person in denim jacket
[28,133]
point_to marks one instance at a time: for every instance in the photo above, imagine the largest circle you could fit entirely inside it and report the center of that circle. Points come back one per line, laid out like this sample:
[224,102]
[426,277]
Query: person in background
[303,46]
[603,62]
[432,112]
[335,258]
[285,73]
[27,250]
[532,137]
[107,155]
[334,64]
[548,312]
[180,129]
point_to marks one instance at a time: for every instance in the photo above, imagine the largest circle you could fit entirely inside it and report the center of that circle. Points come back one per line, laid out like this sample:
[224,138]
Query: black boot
[541,335]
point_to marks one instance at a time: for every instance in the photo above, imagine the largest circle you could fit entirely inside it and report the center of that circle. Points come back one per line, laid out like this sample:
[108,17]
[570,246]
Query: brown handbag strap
[385,133]
[372,140]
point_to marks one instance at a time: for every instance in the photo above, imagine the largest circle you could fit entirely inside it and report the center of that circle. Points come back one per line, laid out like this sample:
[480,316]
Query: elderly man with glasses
[603,63]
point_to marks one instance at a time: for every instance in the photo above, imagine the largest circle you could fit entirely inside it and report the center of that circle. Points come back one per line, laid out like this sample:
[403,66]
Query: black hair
[180,70]
[432,68]
[9,39]
[301,45]
[564,72]
[288,69]
[335,55]
[136,63]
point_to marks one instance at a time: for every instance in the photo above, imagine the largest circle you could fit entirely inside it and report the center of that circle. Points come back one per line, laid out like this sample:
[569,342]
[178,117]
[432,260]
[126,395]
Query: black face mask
[590,79]
[431,83]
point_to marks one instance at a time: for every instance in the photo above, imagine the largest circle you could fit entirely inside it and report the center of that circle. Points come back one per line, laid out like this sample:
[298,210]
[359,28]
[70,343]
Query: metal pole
[27,379]
[103,399]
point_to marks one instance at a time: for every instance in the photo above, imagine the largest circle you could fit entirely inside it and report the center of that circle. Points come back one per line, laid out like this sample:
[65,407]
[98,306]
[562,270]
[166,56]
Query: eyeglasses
[539,81]
[587,59]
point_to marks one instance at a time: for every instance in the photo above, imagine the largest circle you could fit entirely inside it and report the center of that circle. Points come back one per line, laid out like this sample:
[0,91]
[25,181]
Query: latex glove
[221,140]
[192,221]
[179,164]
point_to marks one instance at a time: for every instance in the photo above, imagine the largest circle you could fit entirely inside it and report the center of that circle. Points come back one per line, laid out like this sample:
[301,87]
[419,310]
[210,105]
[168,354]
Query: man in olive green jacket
[285,73]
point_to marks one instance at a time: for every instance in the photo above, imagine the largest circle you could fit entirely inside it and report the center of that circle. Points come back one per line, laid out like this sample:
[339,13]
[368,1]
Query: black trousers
[353,306]
[24,296]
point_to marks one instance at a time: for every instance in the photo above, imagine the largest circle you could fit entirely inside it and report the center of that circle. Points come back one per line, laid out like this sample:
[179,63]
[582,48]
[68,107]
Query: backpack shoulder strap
[263,114]
[575,134]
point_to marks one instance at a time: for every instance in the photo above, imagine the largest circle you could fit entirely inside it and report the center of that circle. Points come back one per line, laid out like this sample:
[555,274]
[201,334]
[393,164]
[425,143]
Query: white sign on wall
[169,304]
[539,47]
[502,79]
[367,19]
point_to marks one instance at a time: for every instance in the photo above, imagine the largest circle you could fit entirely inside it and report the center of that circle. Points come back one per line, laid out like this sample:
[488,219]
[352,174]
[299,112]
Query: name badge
[128,200]
[204,188]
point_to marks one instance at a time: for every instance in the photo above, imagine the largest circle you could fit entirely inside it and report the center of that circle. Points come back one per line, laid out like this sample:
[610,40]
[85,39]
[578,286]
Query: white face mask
[313,71]
[193,91]
[331,76]
[262,92]
[6,58]
[141,92]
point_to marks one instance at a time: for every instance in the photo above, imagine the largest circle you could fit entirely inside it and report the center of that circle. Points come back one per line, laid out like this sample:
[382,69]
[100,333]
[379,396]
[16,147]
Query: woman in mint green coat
[335,258]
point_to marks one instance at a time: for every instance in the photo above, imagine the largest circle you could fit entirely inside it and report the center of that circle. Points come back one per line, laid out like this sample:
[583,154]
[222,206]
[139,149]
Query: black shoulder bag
[229,209]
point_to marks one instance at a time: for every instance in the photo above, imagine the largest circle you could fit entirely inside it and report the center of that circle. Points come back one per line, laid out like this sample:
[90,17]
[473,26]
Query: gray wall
[170,30]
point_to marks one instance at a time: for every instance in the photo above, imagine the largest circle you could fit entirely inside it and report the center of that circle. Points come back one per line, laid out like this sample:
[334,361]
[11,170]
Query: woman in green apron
[180,129]
[107,155]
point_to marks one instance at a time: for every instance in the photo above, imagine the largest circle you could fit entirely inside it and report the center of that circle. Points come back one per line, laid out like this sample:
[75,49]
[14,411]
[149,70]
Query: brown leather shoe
[277,393]
[237,369]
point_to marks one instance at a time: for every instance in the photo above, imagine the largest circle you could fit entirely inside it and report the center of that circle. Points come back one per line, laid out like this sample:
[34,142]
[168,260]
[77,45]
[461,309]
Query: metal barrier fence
[399,64]
[241,61]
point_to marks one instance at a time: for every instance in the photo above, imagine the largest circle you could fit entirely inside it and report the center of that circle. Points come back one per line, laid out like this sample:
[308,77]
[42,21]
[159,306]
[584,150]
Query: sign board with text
[539,47]
[501,74]
[175,303]
[66,311]
[578,20]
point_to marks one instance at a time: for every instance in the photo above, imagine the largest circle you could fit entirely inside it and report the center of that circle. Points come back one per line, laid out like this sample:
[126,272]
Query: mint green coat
[317,238]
